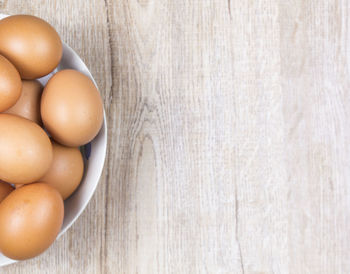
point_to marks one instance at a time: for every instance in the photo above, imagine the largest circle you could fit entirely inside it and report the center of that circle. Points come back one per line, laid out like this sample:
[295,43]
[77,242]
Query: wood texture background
[229,126]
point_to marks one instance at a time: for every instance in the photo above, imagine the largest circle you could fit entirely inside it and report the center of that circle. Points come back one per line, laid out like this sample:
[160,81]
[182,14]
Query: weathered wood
[229,145]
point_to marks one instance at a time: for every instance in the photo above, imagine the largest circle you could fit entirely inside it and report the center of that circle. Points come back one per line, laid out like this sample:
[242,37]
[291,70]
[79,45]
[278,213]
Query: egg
[31,44]
[10,84]
[5,189]
[30,220]
[28,105]
[71,108]
[25,150]
[66,170]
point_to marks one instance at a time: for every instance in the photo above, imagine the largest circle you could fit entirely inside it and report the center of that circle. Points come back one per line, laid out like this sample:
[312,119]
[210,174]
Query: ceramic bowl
[94,153]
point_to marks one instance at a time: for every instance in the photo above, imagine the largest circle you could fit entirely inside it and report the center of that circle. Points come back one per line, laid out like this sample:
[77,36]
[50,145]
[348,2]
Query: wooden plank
[200,183]
[315,81]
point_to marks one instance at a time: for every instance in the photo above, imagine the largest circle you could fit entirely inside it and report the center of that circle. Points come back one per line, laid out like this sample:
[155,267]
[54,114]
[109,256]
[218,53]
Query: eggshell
[10,84]
[30,220]
[31,44]
[71,108]
[66,170]
[5,189]
[28,105]
[25,150]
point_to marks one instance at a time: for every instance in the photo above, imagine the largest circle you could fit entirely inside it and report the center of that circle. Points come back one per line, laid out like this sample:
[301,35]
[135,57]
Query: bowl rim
[104,141]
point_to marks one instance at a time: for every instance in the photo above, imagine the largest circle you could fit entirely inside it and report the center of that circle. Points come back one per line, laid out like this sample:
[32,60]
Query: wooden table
[229,127]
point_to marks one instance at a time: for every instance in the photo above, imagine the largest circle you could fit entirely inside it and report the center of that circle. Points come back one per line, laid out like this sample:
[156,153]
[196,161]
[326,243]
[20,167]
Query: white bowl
[75,205]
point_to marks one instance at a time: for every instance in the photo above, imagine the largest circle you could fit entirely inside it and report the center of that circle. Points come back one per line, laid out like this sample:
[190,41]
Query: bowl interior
[94,155]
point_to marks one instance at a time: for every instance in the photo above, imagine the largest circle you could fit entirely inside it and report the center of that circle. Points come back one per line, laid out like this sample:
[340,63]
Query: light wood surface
[229,145]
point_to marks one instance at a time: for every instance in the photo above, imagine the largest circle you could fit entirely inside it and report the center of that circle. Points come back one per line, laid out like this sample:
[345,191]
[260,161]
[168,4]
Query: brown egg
[30,220]
[31,44]
[66,170]
[71,108]
[25,150]
[5,189]
[10,84]
[28,105]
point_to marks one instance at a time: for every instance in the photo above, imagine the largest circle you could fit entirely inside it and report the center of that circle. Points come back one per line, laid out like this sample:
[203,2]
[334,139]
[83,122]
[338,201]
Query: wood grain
[228,136]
